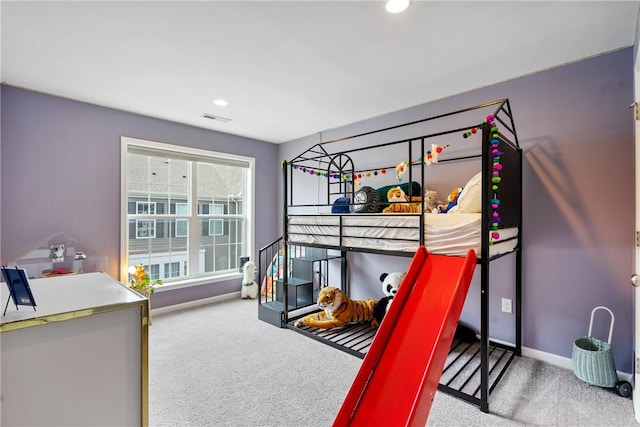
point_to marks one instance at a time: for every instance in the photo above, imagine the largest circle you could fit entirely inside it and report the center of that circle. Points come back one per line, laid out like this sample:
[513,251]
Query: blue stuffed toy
[452,200]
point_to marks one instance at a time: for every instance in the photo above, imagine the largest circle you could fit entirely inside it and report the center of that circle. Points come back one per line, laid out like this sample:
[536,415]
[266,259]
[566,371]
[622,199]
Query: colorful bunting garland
[430,158]
[347,177]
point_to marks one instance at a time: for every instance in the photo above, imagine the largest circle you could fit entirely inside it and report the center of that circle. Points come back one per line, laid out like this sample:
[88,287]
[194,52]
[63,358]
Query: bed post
[484,270]
[518,349]
[285,240]
[343,272]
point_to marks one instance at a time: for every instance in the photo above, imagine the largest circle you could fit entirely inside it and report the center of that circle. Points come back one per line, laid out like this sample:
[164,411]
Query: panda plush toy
[390,284]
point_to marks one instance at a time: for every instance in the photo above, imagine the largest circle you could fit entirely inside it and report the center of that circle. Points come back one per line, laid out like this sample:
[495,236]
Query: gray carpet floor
[218,365]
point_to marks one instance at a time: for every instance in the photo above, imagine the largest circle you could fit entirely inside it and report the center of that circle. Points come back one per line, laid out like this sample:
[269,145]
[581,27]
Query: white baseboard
[563,362]
[552,359]
[196,303]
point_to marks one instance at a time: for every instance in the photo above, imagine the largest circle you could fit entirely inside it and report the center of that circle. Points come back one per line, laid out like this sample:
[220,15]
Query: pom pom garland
[431,157]
[401,168]
[495,178]
[470,132]
[345,177]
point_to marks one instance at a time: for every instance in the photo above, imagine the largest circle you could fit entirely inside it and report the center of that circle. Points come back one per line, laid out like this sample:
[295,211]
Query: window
[216,208]
[145,228]
[153,271]
[215,227]
[171,269]
[145,208]
[187,212]
[182,208]
[182,227]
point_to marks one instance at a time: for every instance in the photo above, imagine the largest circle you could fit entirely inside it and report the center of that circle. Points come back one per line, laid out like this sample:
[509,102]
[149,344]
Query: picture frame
[19,289]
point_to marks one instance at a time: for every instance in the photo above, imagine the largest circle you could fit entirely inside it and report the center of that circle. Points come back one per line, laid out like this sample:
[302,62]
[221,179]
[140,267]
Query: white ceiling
[293,68]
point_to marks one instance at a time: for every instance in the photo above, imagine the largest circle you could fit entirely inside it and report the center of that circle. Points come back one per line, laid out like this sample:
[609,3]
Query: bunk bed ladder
[269,264]
[287,296]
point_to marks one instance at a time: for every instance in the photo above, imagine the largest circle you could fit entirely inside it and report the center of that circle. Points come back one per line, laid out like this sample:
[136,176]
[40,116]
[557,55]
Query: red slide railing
[399,375]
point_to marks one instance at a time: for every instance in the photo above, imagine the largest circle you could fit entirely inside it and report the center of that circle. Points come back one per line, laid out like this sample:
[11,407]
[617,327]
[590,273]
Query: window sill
[198,281]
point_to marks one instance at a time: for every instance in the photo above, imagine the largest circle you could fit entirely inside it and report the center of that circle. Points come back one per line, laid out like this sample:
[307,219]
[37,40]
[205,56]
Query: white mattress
[444,234]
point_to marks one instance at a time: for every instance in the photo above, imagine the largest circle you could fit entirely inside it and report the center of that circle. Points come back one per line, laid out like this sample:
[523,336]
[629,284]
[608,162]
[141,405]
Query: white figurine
[249,285]
[57,253]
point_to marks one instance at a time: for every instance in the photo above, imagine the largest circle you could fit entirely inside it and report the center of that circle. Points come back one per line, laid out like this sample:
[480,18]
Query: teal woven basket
[592,358]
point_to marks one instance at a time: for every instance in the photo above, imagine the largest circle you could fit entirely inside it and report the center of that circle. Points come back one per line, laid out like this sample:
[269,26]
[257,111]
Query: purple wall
[61,172]
[577,135]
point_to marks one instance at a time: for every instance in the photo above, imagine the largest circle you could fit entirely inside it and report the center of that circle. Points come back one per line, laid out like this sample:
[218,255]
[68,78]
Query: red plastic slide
[400,373]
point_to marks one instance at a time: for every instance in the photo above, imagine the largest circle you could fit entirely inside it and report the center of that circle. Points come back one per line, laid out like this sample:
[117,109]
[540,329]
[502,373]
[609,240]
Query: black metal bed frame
[473,369]
[464,369]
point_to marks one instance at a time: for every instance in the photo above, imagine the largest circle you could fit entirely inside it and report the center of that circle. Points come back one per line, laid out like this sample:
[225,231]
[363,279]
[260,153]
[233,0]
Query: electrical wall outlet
[507,305]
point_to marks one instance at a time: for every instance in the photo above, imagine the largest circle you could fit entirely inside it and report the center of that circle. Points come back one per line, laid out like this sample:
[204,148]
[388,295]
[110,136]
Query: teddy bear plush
[390,284]
[452,200]
[431,200]
[396,194]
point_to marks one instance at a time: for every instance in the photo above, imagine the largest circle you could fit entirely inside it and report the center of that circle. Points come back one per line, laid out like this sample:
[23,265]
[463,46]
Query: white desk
[79,359]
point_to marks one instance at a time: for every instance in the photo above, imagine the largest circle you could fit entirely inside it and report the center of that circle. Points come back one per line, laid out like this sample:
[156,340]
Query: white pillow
[470,199]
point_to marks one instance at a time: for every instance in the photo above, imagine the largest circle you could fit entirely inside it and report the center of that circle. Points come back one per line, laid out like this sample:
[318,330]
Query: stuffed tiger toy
[338,310]
[396,194]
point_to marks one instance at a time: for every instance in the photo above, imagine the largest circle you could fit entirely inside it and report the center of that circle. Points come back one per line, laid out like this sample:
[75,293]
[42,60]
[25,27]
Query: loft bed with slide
[335,204]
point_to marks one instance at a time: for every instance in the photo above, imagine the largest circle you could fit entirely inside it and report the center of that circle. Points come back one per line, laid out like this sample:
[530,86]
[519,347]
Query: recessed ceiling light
[397,6]
[221,102]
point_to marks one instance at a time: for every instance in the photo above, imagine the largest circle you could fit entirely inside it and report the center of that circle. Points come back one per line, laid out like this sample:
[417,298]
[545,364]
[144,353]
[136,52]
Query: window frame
[139,222]
[216,227]
[181,204]
[149,205]
[153,271]
[181,221]
[197,155]
[169,269]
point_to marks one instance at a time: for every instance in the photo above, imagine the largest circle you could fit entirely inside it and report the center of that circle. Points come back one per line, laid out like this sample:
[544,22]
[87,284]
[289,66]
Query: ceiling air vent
[216,118]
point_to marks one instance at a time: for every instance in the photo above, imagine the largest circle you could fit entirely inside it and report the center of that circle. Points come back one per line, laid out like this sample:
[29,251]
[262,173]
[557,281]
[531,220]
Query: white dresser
[79,359]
